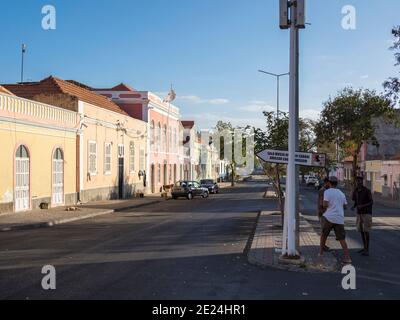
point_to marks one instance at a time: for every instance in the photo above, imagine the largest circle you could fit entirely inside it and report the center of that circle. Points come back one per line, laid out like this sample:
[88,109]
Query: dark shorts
[328,226]
[364,222]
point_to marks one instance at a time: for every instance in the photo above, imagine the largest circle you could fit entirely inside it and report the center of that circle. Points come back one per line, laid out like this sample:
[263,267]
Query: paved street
[182,250]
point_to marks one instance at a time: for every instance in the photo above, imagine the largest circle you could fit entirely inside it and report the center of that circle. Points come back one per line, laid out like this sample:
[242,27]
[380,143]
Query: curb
[53,223]
[302,266]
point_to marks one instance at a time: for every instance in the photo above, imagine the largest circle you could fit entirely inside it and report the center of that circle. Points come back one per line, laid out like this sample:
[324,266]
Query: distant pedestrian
[321,208]
[363,202]
[333,219]
[321,193]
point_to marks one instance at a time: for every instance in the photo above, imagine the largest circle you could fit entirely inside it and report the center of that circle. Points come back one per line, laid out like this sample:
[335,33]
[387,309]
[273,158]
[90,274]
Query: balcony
[24,109]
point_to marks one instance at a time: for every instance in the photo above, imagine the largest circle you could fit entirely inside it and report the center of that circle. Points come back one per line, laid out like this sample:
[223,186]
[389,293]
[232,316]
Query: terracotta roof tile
[5,91]
[53,85]
[119,87]
[188,124]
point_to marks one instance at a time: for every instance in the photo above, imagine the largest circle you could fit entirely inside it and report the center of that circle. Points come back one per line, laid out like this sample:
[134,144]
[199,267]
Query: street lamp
[278,77]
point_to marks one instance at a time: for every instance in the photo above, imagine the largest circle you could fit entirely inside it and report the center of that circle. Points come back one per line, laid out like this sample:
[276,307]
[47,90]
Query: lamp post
[278,77]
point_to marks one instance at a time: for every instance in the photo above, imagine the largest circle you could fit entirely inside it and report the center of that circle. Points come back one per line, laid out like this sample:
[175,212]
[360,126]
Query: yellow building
[373,170]
[111,148]
[38,154]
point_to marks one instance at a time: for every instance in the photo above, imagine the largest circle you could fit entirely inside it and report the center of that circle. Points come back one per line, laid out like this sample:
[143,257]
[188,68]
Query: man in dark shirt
[363,202]
[321,209]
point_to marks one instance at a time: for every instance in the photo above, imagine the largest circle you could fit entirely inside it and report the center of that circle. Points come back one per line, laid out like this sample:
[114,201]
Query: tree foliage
[348,120]
[275,137]
[392,85]
[233,163]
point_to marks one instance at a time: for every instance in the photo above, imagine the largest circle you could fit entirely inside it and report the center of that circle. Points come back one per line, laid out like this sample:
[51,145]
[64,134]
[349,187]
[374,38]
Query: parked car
[318,185]
[189,190]
[311,181]
[211,185]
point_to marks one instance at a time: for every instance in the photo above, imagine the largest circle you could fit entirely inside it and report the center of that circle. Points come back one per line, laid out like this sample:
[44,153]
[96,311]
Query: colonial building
[191,162]
[38,154]
[110,146]
[210,164]
[165,161]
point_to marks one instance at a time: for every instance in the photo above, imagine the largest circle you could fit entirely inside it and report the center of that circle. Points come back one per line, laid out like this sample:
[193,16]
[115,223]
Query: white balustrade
[39,110]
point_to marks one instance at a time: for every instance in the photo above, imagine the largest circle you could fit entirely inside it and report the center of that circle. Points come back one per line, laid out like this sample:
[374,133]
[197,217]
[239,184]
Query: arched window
[159,137]
[170,140]
[152,140]
[132,157]
[22,152]
[175,142]
[22,179]
[58,177]
[58,154]
[165,138]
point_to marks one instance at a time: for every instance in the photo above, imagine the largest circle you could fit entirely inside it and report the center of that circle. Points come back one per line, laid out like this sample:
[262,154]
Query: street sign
[302,158]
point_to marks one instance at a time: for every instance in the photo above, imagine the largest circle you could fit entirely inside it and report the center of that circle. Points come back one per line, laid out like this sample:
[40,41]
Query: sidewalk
[378,199]
[266,246]
[56,216]
[387,202]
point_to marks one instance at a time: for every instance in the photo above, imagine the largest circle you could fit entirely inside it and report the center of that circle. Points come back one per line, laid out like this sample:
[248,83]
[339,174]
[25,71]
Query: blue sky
[210,50]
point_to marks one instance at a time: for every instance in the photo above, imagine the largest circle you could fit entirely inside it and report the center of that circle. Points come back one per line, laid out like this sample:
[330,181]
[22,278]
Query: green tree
[276,137]
[307,143]
[233,164]
[392,85]
[332,155]
[348,120]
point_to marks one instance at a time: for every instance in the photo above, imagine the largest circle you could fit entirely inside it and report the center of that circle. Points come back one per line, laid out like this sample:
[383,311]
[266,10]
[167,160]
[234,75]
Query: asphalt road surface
[176,250]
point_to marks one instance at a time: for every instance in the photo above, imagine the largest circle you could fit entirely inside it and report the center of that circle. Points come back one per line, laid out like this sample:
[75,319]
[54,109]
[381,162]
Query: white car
[311,181]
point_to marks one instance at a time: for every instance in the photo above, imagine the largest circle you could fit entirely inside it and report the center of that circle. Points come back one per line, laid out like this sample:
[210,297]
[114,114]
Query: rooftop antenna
[23,50]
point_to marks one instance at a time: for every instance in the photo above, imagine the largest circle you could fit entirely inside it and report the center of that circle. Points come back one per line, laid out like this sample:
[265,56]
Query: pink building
[165,159]
[391,179]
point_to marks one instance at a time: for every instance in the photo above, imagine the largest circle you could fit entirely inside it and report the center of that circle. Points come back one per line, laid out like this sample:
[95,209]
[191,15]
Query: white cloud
[257,106]
[161,94]
[346,84]
[311,114]
[219,101]
[208,120]
[192,99]
[366,76]
[198,100]
[391,42]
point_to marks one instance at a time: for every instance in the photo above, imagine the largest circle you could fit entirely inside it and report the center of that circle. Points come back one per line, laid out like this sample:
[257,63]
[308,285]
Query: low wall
[110,193]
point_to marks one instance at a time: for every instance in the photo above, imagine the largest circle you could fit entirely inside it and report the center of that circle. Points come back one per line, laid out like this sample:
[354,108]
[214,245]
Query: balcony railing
[11,105]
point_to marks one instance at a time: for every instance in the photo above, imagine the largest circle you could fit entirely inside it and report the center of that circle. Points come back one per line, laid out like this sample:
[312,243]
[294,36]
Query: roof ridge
[54,80]
[53,85]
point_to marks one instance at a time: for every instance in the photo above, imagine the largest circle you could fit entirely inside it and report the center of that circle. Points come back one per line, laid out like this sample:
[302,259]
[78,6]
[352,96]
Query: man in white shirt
[333,219]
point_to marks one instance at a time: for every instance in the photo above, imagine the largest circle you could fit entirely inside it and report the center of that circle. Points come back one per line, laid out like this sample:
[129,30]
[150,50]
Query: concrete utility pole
[297,21]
